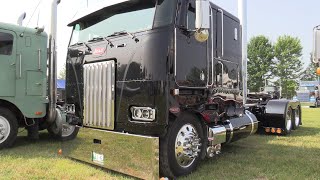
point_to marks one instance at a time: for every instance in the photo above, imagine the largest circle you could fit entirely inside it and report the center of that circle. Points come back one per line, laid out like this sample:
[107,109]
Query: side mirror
[202,20]
[316,45]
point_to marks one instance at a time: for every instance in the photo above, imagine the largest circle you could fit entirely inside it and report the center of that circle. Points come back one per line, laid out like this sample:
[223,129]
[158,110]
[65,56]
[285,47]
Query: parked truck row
[155,86]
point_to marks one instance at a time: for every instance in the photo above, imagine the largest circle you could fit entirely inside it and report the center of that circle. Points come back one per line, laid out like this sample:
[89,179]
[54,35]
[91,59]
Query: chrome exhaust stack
[52,54]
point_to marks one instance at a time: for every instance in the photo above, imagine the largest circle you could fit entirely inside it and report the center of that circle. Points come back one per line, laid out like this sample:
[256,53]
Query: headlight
[143,113]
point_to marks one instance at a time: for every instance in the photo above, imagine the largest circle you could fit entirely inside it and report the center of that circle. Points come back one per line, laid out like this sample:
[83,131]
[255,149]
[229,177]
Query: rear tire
[296,118]
[288,121]
[184,131]
[8,128]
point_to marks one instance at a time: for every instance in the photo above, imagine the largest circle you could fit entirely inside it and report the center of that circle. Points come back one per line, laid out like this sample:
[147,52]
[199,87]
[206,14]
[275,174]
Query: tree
[260,64]
[62,72]
[288,52]
[310,73]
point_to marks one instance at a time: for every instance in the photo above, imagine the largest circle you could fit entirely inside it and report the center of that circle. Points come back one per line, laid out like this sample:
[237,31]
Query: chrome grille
[99,80]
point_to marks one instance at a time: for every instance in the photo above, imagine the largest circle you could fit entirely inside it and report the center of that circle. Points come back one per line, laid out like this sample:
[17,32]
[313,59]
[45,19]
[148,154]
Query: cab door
[192,57]
[8,58]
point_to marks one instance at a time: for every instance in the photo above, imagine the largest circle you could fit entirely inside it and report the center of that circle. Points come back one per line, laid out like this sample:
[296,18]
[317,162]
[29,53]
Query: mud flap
[134,155]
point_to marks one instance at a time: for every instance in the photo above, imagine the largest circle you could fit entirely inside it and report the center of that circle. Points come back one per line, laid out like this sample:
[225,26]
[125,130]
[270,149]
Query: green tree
[288,52]
[260,55]
[62,72]
[310,73]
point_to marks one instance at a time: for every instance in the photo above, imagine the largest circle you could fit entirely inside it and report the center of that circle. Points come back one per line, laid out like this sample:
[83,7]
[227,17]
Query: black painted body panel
[145,71]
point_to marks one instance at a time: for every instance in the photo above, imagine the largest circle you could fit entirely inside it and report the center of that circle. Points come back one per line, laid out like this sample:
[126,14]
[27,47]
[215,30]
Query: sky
[272,18]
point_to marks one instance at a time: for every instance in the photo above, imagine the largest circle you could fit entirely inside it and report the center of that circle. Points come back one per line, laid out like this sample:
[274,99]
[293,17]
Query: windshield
[135,16]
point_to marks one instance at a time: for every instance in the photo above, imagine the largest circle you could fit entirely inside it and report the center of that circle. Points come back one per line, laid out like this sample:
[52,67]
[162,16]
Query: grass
[258,157]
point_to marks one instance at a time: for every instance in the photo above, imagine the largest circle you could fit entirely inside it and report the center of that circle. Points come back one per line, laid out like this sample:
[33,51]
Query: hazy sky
[272,18]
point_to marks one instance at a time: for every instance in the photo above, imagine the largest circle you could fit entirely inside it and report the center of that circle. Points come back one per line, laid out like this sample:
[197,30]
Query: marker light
[318,71]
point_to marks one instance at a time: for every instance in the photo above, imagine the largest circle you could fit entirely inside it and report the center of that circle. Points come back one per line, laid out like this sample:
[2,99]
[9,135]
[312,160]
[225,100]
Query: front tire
[180,149]
[8,128]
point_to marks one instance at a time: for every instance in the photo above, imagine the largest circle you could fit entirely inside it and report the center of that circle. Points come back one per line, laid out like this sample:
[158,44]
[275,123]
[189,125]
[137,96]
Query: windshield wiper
[100,39]
[124,32]
[83,43]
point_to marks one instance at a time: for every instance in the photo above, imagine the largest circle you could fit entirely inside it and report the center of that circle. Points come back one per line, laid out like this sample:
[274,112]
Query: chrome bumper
[129,154]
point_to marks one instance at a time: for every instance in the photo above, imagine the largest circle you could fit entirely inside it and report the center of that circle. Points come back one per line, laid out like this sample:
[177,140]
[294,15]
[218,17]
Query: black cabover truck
[156,86]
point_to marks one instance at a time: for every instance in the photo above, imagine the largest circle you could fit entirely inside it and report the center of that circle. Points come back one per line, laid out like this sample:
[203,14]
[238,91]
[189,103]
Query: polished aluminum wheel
[4,129]
[187,145]
[289,120]
[67,130]
[297,117]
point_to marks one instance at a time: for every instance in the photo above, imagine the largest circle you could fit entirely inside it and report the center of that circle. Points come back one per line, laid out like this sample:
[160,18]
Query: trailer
[158,86]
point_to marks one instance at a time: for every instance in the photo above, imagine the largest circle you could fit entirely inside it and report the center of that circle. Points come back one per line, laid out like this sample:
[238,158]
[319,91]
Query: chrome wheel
[289,120]
[4,129]
[67,130]
[187,146]
[297,117]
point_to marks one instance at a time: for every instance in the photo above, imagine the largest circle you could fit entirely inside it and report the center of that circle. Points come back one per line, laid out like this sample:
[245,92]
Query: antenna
[87,3]
[31,18]
[38,19]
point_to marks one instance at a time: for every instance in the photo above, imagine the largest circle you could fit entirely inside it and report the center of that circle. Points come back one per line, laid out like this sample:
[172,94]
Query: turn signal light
[273,130]
[267,130]
[279,130]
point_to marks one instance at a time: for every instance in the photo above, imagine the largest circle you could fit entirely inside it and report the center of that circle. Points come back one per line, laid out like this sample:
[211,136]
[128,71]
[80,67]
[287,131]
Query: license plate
[98,158]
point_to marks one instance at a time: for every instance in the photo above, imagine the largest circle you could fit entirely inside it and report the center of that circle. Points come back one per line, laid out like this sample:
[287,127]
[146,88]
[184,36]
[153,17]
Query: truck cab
[23,75]
[165,74]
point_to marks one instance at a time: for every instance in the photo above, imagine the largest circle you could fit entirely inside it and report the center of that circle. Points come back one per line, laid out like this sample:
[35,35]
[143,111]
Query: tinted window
[6,43]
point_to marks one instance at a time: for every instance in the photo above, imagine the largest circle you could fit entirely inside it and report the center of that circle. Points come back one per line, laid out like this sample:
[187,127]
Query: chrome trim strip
[222,32]
[231,133]
[248,113]
[175,53]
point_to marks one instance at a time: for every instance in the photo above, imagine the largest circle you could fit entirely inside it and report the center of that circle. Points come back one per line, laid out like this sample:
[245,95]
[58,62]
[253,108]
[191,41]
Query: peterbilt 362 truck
[156,86]
[27,94]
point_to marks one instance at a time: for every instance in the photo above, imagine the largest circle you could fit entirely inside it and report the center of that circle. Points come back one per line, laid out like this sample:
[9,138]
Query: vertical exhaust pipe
[53,63]
[242,14]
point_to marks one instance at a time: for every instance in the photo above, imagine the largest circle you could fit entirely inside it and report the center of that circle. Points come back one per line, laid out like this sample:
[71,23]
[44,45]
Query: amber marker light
[60,152]
[318,71]
[38,113]
[279,131]
[267,130]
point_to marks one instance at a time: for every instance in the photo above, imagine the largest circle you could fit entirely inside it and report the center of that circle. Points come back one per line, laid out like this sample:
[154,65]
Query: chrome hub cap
[297,117]
[4,129]
[67,130]
[187,146]
[289,120]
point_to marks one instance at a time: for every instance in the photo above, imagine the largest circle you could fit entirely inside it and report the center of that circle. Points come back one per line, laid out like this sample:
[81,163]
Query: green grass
[258,157]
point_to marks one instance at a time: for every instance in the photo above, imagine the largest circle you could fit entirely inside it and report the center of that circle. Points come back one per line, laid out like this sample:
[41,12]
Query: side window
[6,43]
[191,18]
